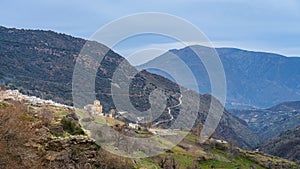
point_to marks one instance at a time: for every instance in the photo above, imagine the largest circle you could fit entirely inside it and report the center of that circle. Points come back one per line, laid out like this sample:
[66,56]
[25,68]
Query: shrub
[71,127]
[3,105]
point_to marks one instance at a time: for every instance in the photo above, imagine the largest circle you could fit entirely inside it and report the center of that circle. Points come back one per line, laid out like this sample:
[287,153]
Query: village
[96,109]
[139,125]
[17,96]
[93,109]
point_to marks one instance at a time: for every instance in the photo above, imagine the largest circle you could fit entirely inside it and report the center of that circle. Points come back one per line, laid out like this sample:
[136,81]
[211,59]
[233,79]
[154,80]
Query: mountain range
[41,63]
[254,79]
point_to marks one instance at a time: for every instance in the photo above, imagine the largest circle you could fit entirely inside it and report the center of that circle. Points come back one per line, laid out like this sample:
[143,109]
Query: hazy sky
[263,25]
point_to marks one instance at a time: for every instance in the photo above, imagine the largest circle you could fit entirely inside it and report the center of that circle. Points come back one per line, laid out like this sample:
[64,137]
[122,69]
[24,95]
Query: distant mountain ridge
[287,106]
[269,123]
[254,79]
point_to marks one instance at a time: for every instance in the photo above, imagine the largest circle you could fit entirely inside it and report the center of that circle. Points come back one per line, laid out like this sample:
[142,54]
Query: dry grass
[15,131]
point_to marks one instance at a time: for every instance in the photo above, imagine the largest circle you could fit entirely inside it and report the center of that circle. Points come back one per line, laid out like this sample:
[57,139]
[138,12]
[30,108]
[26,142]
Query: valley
[269,123]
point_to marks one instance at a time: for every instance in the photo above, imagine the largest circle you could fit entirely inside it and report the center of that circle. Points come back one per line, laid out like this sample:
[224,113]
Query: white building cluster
[17,96]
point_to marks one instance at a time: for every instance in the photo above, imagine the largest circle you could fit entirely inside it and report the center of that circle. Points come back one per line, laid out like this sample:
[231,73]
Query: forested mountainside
[41,63]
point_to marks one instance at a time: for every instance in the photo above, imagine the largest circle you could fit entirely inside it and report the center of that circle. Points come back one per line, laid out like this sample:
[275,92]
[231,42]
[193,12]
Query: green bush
[3,105]
[71,127]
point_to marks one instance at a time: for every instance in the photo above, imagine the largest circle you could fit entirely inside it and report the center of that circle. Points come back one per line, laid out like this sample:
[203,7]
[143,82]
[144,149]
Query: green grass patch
[27,117]
[191,138]
[62,113]
[219,152]
[3,105]
[219,164]
[146,163]
[183,160]
[142,131]
[247,162]
[177,149]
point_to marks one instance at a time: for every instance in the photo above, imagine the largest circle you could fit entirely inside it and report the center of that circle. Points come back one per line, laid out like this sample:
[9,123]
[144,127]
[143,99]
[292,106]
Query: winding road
[169,111]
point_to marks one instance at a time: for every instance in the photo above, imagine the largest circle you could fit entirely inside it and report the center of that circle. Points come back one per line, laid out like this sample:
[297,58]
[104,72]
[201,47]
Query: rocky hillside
[286,145]
[269,123]
[254,79]
[41,63]
[48,136]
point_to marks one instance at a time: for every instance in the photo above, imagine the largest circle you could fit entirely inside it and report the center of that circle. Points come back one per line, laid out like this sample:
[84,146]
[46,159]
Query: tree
[199,129]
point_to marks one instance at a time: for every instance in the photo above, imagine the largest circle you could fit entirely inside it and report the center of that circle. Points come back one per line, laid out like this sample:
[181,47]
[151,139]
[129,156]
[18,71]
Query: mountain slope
[41,63]
[269,123]
[286,145]
[47,136]
[254,79]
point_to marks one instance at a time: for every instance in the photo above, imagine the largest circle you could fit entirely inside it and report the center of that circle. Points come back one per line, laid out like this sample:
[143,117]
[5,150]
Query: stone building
[94,109]
[98,106]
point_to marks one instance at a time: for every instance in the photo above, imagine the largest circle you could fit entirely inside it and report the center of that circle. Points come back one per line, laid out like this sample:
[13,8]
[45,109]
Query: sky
[268,25]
